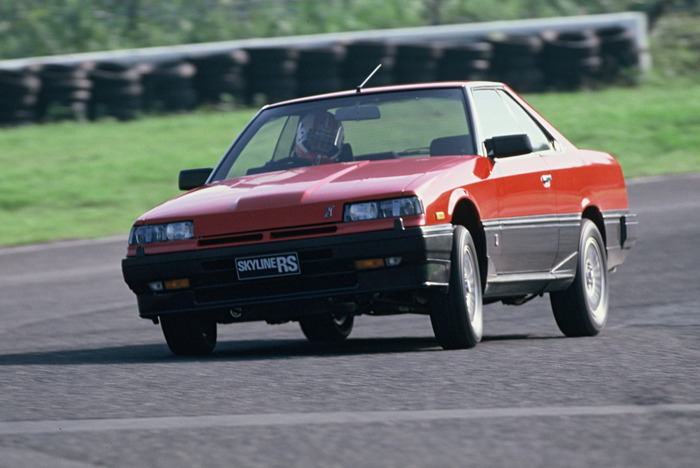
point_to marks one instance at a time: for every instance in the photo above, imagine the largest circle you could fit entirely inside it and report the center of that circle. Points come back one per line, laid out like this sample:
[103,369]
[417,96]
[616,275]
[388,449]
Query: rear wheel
[582,309]
[327,327]
[189,335]
[457,317]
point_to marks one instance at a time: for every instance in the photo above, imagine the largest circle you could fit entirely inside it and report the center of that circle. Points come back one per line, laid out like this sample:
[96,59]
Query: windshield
[401,124]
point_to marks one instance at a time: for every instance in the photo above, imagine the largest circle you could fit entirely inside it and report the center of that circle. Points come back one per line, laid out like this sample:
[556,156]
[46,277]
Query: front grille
[230,240]
[320,271]
[275,235]
[242,290]
[303,232]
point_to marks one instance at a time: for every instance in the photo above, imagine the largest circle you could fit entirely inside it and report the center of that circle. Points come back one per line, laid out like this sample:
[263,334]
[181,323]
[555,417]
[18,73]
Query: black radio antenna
[376,69]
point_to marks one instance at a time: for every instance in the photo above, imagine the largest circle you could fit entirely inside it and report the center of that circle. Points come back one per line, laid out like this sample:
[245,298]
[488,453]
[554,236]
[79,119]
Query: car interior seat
[452,145]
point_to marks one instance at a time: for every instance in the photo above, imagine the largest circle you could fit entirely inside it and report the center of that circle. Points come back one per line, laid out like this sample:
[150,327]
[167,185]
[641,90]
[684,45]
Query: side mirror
[508,145]
[193,178]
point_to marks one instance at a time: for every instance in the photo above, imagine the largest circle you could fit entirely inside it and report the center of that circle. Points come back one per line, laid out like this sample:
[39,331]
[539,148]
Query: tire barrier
[271,74]
[416,63]
[117,91]
[19,93]
[169,86]
[618,51]
[65,91]
[319,70]
[516,60]
[362,57]
[221,76]
[571,59]
[470,61]
[548,60]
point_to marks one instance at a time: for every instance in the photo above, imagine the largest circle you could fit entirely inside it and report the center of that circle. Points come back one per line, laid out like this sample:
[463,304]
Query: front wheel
[457,317]
[582,309]
[188,334]
[327,327]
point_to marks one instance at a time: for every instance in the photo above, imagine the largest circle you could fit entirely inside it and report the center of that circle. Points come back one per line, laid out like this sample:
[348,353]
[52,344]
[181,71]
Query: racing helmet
[319,138]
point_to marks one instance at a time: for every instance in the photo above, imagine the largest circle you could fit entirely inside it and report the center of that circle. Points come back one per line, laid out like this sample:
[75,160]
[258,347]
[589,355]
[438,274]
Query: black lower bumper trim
[328,271]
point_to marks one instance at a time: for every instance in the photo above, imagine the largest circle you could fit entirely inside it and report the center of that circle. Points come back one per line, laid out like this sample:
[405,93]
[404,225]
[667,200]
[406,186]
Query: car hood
[303,196]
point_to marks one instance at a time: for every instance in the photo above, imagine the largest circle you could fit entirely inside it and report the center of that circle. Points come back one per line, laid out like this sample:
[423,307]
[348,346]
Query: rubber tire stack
[571,60]
[516,61]
[465,62]
[363,57]
[65,91]
[416,63]
[254,76]
[319,70]
[19,93]
[618,52]
[169,86]
[117,91]
[221,76]
[271,74]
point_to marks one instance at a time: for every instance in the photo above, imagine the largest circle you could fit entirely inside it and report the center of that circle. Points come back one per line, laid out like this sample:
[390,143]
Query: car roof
[392,88]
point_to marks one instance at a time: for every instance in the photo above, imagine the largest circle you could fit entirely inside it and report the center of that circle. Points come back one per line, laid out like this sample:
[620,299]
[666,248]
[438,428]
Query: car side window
[500,115]
[540,141]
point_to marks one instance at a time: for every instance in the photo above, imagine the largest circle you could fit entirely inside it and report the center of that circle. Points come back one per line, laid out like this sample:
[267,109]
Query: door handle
[546,180]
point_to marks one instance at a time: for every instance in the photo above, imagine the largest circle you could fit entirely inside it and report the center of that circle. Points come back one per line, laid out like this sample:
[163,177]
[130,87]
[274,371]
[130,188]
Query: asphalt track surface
[85,382]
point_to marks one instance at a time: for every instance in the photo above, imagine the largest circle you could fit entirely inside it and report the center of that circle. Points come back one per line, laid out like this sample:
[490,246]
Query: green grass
[652,129]
[69,180]
[82,180]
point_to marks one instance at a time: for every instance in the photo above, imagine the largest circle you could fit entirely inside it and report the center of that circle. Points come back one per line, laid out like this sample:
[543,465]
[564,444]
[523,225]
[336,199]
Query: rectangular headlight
[392,208]
[151,233]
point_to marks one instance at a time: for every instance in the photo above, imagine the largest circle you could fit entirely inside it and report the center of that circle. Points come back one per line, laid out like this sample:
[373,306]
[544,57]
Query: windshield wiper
[415,151]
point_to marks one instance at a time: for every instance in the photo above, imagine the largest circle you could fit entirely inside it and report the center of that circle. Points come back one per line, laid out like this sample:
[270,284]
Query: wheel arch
[466,214]
[592,213]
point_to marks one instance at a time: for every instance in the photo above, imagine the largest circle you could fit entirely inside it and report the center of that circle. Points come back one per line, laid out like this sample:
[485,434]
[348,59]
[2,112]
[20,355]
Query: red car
[427,199]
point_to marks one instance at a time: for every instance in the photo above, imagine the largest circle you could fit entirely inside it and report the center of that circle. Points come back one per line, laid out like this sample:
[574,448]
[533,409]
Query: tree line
[49,27]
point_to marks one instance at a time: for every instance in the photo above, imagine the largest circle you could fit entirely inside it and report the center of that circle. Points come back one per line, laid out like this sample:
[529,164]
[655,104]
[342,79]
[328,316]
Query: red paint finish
[564,181]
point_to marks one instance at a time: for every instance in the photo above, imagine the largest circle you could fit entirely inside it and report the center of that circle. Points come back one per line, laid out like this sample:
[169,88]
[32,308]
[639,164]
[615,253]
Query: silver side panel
[569,233]
[550,244]
[531,254]
[522,245]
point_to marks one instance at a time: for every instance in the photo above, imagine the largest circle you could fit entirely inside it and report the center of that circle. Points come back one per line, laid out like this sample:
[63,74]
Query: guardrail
[530,55]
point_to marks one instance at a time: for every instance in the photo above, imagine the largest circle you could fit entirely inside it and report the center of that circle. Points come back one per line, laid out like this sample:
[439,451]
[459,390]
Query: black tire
[189,335]
[457,317]
[312,86]
[276,89]
[582,309]
[362,57]
[173,72]
[619,43]
[327,327]
[462,71]
[571,45]
[19,100]
[467,52]
[117,93]
[318,61]
[516,52]
[18,81]
[16,116]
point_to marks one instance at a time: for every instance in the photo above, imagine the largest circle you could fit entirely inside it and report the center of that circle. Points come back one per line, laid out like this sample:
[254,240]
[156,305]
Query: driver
[319,138]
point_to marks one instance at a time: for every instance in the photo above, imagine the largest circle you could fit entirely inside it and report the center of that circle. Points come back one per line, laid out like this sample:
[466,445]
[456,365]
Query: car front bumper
[328,272]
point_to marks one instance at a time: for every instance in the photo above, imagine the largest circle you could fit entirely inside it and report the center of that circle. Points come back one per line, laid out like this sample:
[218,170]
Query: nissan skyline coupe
[430,199]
